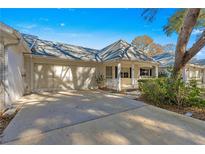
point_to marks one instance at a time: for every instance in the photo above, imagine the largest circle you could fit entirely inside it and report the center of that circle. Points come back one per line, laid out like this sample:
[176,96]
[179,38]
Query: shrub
[162,74]
[166,72]
[154,90]
[168,91]
[100,80]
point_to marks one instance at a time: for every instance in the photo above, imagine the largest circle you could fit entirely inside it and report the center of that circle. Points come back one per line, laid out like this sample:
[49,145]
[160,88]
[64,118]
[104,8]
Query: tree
[169,48]
[142,42]
[146,44]
[154,49]
[175,22]
[182,55]
[183,22]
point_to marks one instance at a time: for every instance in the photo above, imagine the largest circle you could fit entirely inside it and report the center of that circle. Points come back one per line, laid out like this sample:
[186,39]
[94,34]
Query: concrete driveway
[96,117]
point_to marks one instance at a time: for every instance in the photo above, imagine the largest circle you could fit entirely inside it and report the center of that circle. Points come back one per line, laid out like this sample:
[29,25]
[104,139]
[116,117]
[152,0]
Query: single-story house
[31,64]
[192,71]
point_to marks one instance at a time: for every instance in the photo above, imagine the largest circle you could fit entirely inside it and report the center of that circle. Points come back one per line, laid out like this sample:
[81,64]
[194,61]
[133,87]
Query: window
[194,73]
[198,72]
[116,70]
[145,72]
[108,72]
[125,72]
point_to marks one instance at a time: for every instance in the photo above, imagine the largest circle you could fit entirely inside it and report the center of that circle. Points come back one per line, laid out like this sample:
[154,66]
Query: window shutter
[130,72]
[116,70]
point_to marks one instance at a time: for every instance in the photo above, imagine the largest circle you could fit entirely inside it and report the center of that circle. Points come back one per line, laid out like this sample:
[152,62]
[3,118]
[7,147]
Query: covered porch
[124,75]
[194,72]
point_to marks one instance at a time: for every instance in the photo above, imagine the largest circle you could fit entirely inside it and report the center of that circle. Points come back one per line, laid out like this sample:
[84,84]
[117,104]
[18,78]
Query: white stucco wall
[15,70]
[59,74]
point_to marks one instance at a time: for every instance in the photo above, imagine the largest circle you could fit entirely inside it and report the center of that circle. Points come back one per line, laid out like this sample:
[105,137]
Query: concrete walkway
[94,117]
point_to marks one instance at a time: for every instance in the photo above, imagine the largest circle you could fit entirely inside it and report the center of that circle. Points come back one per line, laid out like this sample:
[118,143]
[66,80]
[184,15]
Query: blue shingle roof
[121,50]
[61,50]
[167,59]
[117,50]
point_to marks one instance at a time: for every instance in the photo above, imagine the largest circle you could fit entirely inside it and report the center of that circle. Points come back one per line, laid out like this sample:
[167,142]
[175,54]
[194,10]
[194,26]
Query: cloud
[27,26]
[197,31]
[62,24]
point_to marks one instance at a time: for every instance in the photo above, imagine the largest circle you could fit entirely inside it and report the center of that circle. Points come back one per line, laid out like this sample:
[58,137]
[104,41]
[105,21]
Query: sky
[93,28]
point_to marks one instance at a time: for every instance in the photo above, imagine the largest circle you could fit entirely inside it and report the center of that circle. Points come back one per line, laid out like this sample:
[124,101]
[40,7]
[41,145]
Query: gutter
[15,33]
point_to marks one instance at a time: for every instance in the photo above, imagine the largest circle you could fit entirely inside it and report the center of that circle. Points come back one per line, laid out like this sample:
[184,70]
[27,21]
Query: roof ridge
[111,46]
[126,50]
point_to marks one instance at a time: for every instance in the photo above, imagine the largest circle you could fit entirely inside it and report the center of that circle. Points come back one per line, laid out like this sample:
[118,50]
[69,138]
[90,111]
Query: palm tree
[183,22]
[175,22]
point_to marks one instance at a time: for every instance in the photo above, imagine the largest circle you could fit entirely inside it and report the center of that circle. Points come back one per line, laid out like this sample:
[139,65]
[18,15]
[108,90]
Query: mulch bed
[4,121]
[198,113]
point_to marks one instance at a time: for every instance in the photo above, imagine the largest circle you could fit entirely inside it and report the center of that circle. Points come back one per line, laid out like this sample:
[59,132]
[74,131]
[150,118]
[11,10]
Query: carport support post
[133,75]
[31,73]
[184,74]
[2,76]
[119,77]
[156,71]
[5,101]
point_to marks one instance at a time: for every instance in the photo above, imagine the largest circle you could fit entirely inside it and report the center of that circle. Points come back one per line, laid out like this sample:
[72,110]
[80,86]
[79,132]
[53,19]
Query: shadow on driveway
[94,117]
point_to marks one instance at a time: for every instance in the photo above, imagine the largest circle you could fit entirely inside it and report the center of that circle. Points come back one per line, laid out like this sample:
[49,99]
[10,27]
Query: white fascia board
[13,36]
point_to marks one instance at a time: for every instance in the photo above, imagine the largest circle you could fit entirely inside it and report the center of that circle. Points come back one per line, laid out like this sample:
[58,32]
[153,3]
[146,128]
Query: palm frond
[175,22]
[149,14]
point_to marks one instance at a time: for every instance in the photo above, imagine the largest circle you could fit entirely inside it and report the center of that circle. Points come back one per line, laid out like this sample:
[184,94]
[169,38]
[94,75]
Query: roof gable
[121,50]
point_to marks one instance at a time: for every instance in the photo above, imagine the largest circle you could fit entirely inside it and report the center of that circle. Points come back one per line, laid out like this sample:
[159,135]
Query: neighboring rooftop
[199,62]
[167,59]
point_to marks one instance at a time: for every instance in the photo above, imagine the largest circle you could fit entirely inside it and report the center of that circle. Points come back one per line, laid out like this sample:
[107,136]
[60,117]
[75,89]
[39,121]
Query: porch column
[138,72]
[31,74]
[156,71]
[184,74]
[203,77]
[133,75]
[119,77]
